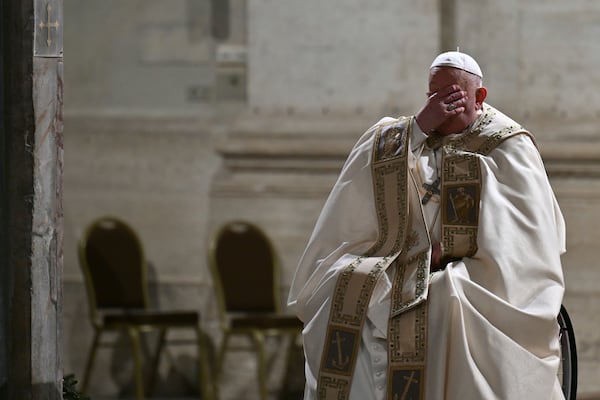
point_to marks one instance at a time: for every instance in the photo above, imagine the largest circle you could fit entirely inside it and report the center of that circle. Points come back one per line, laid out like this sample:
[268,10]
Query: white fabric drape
[492,317]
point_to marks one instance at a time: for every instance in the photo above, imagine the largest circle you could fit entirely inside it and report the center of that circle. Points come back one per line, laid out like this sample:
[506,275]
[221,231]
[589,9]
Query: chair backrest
[568,349]
[113,264]
[245,270]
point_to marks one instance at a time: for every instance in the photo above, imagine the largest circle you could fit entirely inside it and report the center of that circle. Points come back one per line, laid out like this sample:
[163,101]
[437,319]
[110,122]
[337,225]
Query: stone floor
[595,396]
[238,381]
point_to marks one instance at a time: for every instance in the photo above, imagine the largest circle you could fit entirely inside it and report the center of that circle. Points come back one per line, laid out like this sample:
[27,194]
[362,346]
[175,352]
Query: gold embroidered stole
[407,323]
[346,319]
[404,241]
[461,179]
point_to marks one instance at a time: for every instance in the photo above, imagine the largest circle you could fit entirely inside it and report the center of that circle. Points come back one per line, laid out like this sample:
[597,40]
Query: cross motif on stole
[407,384]
[433,188]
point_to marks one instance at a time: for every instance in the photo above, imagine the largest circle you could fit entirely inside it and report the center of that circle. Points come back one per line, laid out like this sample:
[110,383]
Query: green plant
[69,389]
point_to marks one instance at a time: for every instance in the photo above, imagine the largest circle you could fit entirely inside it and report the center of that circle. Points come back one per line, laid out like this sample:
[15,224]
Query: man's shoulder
[387,123]
[496,122]
[496,128]
[384,130]
[380,126]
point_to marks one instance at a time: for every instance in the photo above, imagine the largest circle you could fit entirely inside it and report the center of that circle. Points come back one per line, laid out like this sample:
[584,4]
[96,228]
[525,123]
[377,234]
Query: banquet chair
[568,349]
[114,268]
[245,271]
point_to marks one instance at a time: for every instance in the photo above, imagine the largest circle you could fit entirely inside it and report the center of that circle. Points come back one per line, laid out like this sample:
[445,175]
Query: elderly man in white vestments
[434,271]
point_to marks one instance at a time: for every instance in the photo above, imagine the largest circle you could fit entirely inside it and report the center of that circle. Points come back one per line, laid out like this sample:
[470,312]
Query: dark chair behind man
[115,271]
[246,277]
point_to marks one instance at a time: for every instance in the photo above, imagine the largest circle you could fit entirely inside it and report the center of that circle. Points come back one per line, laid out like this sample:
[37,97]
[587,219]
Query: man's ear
[480,95]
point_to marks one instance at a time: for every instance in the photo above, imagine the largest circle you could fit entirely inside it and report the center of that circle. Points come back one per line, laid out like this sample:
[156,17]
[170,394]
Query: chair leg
[293,357]
[259,340]
[134,336]
[90,360]
[220,363]
[156,360]
[205,385]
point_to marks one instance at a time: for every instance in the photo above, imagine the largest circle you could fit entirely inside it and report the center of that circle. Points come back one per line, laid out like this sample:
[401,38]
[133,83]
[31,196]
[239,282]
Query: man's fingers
[447,102]
[454,111]
[448,90]
[456,103]
[456,96]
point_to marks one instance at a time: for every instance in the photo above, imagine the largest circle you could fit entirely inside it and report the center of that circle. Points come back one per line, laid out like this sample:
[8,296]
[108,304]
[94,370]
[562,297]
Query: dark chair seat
[153,318]
[269,321]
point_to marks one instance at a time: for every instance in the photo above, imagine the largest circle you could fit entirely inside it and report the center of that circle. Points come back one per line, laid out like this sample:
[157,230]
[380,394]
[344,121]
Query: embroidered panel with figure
[461,188]
[461,207]
[389,171]
[391,141]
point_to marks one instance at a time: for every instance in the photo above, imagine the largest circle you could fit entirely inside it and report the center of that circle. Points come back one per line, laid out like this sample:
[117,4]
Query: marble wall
[315,56]
[149,138]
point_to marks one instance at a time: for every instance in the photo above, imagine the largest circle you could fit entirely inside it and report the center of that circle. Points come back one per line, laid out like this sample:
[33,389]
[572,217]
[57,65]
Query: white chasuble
[491,313]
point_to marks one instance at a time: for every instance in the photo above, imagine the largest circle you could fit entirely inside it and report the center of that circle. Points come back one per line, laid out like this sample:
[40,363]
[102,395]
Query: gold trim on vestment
[462,184]
[403,242]
[389,171]
[402,228]
[346,320]
[461,189]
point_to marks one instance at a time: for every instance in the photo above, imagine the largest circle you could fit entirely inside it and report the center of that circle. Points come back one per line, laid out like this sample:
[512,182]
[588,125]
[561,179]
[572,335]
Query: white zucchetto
[458,60]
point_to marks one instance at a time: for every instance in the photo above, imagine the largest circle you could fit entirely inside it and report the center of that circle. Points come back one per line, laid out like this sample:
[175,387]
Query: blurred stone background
[180,115]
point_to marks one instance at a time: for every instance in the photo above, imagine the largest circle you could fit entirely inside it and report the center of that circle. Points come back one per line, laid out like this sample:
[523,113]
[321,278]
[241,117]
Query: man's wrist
[427,130]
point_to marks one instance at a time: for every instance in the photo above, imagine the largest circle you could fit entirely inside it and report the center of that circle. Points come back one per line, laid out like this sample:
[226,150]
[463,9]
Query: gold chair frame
[256,325]
[137,320]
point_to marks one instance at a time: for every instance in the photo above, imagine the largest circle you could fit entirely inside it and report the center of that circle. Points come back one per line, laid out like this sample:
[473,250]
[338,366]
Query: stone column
[31,200]
[447,17]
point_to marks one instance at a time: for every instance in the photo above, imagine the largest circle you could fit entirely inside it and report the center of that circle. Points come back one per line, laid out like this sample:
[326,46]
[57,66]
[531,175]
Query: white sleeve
[346,226]
[498,308]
